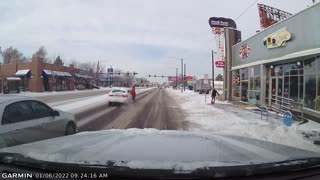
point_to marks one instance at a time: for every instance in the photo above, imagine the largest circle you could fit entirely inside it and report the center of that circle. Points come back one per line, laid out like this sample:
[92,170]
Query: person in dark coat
[133,93]
[213,95]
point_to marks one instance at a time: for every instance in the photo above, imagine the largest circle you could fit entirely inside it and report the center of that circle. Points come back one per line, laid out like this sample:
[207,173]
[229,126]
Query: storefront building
[37,76]
[281,62]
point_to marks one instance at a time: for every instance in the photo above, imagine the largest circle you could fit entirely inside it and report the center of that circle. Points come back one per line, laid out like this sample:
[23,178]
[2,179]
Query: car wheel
[70,129]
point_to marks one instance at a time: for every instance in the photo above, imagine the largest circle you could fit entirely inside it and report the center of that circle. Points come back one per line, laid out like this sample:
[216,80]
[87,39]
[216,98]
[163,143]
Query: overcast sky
[133,35]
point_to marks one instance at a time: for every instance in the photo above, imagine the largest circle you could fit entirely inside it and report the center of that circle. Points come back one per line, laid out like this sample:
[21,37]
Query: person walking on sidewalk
[213,95]
[133,94]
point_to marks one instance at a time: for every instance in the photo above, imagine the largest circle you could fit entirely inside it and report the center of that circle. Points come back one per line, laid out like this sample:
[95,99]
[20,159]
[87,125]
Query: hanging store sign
[244,51]
[221,22]
[277,39]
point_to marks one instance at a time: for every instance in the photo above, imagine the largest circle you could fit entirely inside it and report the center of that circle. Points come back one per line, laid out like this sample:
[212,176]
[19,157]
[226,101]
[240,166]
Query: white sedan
[25,119]
[119,96]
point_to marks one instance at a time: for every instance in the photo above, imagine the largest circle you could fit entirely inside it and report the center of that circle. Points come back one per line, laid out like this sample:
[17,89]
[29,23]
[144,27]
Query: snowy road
[153,109]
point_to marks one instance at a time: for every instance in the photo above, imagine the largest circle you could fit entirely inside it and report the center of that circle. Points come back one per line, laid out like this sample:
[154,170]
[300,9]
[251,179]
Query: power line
[246,9]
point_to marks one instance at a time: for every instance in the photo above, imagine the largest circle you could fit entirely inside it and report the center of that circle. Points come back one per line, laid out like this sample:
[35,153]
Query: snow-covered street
[225,118]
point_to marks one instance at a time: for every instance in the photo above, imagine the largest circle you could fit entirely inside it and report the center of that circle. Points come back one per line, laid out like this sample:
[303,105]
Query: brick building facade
[37,76]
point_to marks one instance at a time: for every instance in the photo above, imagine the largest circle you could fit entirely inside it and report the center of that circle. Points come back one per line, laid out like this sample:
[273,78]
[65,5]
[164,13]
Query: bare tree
[11,54]
[102,68]
[42,53]
[58,61]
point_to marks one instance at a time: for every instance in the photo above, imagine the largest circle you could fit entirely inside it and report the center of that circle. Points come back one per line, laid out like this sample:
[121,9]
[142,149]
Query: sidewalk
[226,118]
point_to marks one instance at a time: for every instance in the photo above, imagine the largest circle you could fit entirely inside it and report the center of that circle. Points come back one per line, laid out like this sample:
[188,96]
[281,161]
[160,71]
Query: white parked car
[26,119]
[119,96]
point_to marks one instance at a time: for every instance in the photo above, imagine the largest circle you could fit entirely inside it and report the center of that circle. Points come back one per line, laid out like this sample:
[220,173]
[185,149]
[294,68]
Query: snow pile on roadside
[227,119]
[54,93]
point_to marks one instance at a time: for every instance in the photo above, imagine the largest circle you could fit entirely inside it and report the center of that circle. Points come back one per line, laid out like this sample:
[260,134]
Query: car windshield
[160,84]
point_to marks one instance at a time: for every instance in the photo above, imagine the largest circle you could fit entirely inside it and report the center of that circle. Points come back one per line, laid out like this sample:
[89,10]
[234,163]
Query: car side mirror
[55,113]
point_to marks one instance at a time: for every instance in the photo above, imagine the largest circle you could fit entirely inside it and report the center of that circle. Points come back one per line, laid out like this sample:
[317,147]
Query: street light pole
[176,77]
[212,58]
[181,73]
[111,76]
[184,77]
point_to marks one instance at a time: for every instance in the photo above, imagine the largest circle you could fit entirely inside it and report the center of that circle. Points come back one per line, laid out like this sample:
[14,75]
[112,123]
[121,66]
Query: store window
[310,91]
[244,74]
[236,83]
[257,70]
[301,92]
[251,83]
[244,91]
[244,84]
[254,83]
[318,62]
[317,101]
[294,90]
[310,66]
[257,83]
[286,89]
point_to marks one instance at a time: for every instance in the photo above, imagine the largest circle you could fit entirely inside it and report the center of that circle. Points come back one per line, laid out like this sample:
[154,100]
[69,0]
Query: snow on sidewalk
[225,118]
[54,93]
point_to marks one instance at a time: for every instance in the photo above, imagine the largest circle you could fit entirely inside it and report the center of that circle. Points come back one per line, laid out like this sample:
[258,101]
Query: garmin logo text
[16,175]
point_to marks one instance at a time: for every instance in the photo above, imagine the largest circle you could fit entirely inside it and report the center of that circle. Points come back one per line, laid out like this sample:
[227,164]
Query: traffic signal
[155,76]
[149,75]
[119,73]
[162,76]
[128,73]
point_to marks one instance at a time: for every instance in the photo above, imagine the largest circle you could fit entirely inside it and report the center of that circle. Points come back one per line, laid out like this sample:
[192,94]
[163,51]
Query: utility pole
[97,74]
[181,73]
[212,58]
[176,77]
[185,76]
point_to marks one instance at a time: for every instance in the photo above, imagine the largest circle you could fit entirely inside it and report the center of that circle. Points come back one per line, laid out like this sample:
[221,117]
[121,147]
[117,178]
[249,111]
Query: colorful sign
[277,39]
[244,51]
[219,64]
[189,80]
[269,15]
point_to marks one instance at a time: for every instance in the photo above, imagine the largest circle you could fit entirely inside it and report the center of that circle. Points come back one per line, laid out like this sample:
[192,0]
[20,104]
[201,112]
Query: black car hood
[155,149]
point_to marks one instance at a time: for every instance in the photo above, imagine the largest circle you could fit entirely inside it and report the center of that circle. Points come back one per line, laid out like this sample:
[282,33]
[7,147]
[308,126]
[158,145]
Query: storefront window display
[311,73]
[236,83]
[255,83]
[244,84]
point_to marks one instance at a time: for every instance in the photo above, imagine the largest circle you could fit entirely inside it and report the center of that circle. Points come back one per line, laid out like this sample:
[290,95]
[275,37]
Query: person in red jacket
[133,93]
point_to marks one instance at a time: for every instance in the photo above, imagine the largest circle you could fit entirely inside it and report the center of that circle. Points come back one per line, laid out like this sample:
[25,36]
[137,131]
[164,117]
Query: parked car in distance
[119,96]
[26,119]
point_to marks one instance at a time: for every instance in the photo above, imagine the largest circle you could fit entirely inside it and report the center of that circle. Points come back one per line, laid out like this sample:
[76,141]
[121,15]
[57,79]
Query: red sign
[219,64]
[269,15]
